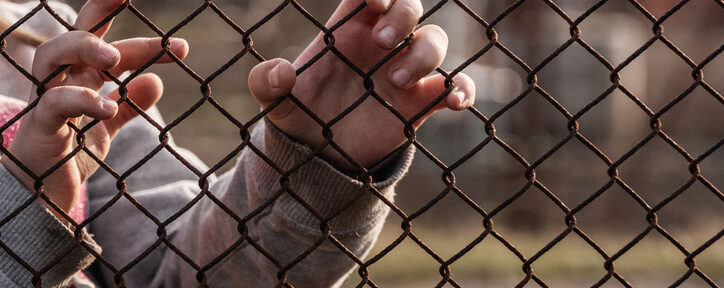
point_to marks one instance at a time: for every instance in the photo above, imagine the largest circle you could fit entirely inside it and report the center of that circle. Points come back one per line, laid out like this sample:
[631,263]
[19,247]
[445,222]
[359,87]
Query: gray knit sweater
[285,229]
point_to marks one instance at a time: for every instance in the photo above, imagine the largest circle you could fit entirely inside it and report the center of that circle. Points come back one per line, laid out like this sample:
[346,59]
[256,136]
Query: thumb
[271,80]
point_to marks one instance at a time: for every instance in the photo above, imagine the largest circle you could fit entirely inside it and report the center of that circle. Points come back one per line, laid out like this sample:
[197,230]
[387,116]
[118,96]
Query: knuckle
[52,101]
[376,5]
[423,60]
[84,38]
[106,5]
[80,36]
[410,10]
[464,81]
[436,32]
[463,77]
[54,96]
[86,94]
[92,42]
[428,53]
[415,6]
[42,49]
[152,44]
[66,94]
[63,100]
[434,41]
[74,37]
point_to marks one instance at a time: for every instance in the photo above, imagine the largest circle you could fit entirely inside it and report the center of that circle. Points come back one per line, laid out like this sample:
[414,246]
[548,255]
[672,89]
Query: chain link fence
[526,163]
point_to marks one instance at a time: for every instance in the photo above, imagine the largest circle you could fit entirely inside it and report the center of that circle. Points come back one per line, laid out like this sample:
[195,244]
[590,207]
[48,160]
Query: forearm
[279,225]
[162,186]
[38,238]
[284,229]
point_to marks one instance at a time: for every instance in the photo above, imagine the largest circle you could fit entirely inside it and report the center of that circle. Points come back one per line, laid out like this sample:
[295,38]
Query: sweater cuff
[38,238]
[319,184]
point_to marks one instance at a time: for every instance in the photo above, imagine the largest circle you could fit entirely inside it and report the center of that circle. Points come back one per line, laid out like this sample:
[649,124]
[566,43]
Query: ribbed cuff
[320,185]
[37,237]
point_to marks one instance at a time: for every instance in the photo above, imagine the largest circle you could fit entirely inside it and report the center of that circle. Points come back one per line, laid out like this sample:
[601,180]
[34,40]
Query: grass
[491,264]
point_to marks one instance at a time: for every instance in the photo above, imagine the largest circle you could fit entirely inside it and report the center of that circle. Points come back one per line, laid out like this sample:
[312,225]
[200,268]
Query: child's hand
[328,87]
[44,139]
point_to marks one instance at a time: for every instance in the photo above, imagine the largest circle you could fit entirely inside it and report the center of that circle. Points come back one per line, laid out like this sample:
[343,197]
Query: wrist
[377,169]
[18,173]
[313,141]
[29,184]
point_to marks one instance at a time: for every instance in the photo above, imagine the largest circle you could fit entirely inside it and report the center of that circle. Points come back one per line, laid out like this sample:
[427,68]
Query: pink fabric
[78,213]
[8,110]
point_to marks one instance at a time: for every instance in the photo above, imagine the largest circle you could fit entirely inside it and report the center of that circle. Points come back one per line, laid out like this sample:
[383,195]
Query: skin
[367,134]
[43,139]
[370,132]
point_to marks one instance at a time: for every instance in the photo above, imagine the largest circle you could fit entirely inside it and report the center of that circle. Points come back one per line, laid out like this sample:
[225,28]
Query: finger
[399,21]
[463,95]
[145,90]
[95,11]
[379,6]
[60,104]
[136,52]
[425,53]
[75,47]
[84,76]
[272,80]
[429,89]
[366,16]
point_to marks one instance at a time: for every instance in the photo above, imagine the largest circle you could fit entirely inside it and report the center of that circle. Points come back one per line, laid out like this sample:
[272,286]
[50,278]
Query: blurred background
[532,127]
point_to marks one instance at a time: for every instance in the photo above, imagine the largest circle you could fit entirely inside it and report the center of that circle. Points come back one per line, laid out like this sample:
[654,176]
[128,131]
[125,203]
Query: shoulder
[42,22]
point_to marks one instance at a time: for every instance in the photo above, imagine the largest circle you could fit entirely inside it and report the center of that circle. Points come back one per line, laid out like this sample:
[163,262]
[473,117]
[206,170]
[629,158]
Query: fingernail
[401,77]
[273,77]
[389,36]
[177,43]
[110,54]
[460,95]
[108,104]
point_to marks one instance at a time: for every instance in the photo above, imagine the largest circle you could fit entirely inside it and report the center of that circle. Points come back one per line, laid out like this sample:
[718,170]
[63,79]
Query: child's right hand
[370,132]
[44,139]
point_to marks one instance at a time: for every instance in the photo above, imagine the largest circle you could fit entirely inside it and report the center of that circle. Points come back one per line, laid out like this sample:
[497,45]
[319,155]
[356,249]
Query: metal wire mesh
[486,26]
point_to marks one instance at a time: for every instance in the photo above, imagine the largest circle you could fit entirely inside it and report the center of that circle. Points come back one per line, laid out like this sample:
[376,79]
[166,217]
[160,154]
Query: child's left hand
[44,139]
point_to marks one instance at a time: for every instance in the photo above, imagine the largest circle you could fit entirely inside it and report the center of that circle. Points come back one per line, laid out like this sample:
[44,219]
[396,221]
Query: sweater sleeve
[246,228]
[36,237]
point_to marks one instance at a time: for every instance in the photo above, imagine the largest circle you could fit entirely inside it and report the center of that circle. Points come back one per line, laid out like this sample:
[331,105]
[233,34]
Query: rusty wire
[448,177]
